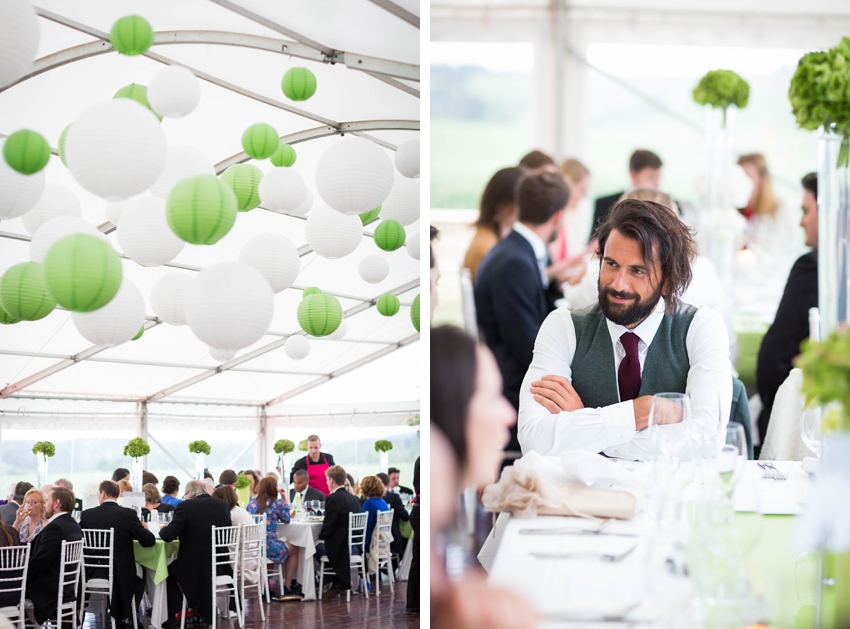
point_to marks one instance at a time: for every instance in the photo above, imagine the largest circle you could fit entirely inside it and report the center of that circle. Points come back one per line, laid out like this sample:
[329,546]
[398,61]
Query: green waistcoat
[665,368]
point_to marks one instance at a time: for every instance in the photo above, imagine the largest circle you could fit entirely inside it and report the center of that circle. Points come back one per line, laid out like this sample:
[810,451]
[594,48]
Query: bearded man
[594,371]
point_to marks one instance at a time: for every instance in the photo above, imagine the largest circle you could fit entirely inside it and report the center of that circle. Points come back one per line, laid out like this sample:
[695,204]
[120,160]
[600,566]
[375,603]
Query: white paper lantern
[181,163]
[412,245]
[114,210]
[144,234]
[168,297]
[282,190]
[331,234]
[354,176]
[116,149]
[57,200]
[174,92]
[407,159]
[18,193]
[222,355]
[118,321]
[54,230]
[403,203]
[229,305]
[374,269]
[297,347]
[275,257]
[339,332]
[306,205]
[19,36]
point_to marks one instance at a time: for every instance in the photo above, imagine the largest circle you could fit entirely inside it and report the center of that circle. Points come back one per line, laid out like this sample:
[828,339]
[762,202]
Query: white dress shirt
[611,429]
[539,247]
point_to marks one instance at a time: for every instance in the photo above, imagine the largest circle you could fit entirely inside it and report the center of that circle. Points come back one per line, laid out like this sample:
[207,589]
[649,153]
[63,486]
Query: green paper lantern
[260,140]
[389,235]
[23,292]
[319,314]
[370,217]
[388,305]
[139,335]
[243,179]
[138,93]
[284,155]
[83,272]
[131,35]
[298,84]
[201,209]
[6,318]
[62,144]
[26,151]
[311,290]
[414,313]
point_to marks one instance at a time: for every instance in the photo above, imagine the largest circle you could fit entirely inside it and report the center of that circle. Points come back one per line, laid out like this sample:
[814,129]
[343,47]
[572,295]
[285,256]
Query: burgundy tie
[628,375]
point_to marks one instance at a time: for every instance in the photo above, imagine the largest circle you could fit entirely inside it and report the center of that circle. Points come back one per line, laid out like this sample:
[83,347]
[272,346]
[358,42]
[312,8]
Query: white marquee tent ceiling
[365,56]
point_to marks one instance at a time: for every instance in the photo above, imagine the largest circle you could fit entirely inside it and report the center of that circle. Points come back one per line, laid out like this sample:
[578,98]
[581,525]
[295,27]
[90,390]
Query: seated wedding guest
[170,489]
[762,202]
[594,372]
[121,474]
[9,511]
[334,533]
[192,524]
[46,489]
[435,273]
[496,215]
[31,518]
[153,501]
[571,240]
[46,555]
[400,514]
[393,485]
[373,493]
[276,508]
[238,516]
[315,464]
[791,324]
[301,490]
[124,486]
[64,482]
[126,527]
[644,172]
[10,537]
[149,479]
[537,161]
[227,477]
[255,479]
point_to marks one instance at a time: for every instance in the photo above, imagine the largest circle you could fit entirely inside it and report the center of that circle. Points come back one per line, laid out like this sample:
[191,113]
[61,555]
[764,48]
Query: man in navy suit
[644,172]
[512,291]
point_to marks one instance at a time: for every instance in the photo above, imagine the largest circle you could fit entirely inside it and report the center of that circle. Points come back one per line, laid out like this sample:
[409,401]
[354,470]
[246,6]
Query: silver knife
[575,531]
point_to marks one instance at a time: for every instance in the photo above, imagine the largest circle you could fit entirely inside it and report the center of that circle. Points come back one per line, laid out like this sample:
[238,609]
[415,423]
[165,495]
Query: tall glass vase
[42,468]
[283,466]
[137,474]
[719,219]
[385,462]
[199,466]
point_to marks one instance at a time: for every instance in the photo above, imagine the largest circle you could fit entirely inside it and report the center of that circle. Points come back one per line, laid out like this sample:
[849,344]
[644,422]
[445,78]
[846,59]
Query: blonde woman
[30,519]
[571,240]
[762,200]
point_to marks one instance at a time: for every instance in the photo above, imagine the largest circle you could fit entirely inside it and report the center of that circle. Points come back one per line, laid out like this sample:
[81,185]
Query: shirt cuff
[619,422]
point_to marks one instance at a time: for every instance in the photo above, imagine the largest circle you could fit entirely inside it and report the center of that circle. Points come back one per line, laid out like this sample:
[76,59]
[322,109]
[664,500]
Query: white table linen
[303,536]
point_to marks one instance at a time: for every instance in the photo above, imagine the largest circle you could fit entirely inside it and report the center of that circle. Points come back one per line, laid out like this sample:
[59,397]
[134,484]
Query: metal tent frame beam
[398,11]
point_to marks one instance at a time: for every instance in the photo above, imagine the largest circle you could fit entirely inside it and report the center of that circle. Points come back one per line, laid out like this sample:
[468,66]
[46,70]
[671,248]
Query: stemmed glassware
[733,457]
[810,429]
[670,456]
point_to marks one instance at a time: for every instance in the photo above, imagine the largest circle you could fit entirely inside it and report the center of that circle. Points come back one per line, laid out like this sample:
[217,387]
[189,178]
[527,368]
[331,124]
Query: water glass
[733,457]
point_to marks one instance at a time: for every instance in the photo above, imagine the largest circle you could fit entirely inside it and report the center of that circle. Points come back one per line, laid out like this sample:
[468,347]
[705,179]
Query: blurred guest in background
[435,273]
[170,488]
[571,240]
[400,515]
[121,474]
[644,172]
[153,501]
[9,511]
[393,485]
[373,493]
[537,161]
[762,200]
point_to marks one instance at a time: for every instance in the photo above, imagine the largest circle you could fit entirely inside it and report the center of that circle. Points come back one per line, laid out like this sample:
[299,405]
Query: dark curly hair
[170,485]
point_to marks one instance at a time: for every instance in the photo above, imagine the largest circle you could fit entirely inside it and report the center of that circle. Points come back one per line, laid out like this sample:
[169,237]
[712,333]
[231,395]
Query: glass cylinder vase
[137,474]
[385,462]
[42,468]
[199,466]
[717,224]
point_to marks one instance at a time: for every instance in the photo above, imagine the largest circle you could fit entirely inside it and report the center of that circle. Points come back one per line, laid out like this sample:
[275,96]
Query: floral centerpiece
[722,89]
[43,450]
[199,449]
[302,445]
[383,446]
[242,481]
[283,447]
[137,448]
[243,491]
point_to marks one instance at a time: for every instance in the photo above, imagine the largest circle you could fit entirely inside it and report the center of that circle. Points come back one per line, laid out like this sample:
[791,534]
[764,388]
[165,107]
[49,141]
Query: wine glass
[733,457]
[810,429]
[670,455]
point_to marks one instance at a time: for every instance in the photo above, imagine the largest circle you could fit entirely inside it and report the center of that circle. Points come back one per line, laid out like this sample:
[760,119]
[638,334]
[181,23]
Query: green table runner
[156,557]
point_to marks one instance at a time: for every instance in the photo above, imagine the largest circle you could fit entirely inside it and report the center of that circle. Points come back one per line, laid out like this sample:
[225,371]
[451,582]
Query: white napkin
[595,470]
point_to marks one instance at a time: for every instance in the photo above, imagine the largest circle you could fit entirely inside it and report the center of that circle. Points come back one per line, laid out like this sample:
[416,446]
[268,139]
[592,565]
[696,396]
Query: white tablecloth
[303,536]
[404,567]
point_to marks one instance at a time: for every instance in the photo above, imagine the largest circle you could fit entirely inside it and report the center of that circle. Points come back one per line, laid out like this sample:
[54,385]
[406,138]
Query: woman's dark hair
[663,238]
[266,493]
[454,368]
[810,183]
[434,233]
[170,485]
[499,192]
[6,534]
[120,474]
[228,494]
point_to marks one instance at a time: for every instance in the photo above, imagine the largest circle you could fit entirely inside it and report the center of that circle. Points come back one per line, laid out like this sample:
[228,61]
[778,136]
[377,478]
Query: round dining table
[303,535]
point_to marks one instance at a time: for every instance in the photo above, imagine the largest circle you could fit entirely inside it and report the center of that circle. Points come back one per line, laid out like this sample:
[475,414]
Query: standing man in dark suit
[335,529]
[511,289]
[791,324]
[645,172]
[400,515]
[126,528]
[46,554]
[9,510]
[192,524]
[316,463]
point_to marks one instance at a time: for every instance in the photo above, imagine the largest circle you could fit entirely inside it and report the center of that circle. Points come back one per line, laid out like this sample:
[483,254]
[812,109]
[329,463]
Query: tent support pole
[168,454]
[143,427]
[241,452]
[263,439]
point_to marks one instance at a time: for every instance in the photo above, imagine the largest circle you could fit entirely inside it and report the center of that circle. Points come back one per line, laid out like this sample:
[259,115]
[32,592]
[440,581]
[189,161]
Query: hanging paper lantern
[403,203]
[260,140]
[18,193]
[26,151]
[201,209]
[138,93]
[319,314]
[306,204]
[388,305]
[282,190]
[275,257]
[331,234]
[339,332]
[229,305]
[222,355]
[407,159]
[370,217]
[83,273]
[374,269]
[412,245]
[181,163]
[354,176]
[168,298]
[311,290]
[6,318]
[57,200]
[117,322]
[243,179]
[55,230]
[174,92]
[298,84]
[61,146]
[389,235]
[297,347]
[114,209]
[19,36]
[284,155]
[139,334]
[144,234]
[414,313]
[131,35]
[23,292]
[116,149]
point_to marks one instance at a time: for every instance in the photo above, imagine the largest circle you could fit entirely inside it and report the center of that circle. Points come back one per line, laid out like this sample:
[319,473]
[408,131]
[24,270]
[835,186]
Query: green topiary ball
[83,272]
[61,147]
[131,35]
[284,155]
[23,292]
[26,151]
[138,93]
[201,209]
[370,217]
[388,305]
[414,313]
[244,179]
[298,84]
[319,314]
[139,335]
[311,290]
[389,235]
[6,318]
[260,140]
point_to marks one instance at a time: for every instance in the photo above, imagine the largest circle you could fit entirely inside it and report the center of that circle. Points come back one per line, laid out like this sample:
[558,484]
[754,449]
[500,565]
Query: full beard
[626,315]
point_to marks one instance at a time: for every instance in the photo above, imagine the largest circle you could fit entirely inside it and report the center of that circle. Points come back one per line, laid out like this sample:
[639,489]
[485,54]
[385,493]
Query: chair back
[70,570]
[357,530]
[253,544]
[14,563]
[225,547]
[98,551]
[259,518]
[384,526]
[467,293]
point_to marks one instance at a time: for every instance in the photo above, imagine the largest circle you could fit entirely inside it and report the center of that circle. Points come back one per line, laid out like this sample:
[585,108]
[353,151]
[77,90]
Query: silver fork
[772,472]
[582,553]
